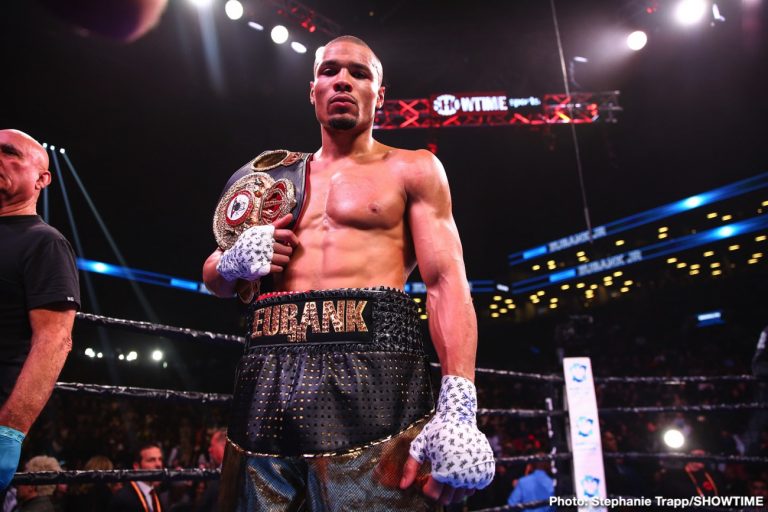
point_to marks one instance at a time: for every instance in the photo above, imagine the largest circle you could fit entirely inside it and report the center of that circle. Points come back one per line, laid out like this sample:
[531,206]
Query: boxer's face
[347,88]
[23,168]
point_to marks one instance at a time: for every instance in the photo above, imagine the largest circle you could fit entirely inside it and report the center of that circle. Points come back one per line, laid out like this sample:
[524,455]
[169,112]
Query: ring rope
[534,504]
[685,457]
[183,332]
[159,329]
[116,475]
[518,506]
[684,408]
[133,392]
[677,380]
[219,398]
[198,474]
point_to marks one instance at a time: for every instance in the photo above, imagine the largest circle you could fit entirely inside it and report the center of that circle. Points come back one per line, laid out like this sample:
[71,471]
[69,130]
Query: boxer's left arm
[452,319]
[453,329]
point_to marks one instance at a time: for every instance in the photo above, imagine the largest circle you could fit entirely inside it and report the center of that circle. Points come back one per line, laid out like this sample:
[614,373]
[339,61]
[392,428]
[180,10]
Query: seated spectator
[91,497]
[536,485]
[37,498]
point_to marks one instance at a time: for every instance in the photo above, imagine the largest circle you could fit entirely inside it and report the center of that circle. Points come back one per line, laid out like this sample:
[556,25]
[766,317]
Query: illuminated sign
[608,263]
[450,104]
[530,101]
[577,239]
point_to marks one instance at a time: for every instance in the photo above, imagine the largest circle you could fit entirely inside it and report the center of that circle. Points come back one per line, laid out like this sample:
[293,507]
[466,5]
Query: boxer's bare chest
[361,196]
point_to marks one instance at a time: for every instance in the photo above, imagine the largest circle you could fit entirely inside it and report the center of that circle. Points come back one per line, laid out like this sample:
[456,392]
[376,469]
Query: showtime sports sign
[479,104]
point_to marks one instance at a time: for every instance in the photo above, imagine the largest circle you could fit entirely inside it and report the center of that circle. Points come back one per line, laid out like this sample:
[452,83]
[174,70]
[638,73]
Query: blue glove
[10,451]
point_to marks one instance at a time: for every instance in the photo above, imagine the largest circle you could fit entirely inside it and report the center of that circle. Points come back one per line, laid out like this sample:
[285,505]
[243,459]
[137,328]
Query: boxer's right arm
[284,240]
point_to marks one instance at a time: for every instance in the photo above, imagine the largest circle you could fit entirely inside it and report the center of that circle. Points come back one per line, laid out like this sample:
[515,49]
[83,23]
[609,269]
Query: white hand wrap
[460,454]
[251,256]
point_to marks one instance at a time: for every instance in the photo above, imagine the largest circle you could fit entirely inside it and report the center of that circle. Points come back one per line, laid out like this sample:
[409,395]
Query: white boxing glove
[251,256]
[460,454]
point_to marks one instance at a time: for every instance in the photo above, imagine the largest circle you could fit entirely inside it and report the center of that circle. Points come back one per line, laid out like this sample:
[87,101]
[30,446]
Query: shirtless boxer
[334,385]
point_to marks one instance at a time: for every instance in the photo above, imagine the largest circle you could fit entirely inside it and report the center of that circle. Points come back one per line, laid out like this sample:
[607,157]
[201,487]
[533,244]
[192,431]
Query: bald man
[39,294]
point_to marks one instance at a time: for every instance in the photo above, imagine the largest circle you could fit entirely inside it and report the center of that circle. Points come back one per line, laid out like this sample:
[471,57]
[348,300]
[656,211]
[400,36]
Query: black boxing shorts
[329,372]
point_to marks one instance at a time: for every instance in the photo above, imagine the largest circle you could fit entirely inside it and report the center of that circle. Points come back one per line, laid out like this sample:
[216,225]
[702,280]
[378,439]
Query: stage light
[279,34]
[637,40]
[89,352]
[121,357]
[689,12]
[201,3]
[99,355]
[716,13]
[497,297]
[255,25]
[234,9]
[132,356]
[45,145]
[725,232]
[298,47]
[61,151]
[581,59]
[157,355]
[53,148]
[674,439]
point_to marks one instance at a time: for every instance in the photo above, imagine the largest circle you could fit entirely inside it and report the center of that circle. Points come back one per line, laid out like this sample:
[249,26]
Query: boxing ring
[550,382]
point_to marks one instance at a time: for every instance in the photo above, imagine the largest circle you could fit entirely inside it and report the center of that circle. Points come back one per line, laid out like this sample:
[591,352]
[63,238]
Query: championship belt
[270,186]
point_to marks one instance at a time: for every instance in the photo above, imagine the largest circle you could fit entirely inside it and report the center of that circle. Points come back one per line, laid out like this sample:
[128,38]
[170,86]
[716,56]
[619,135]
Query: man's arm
[51,342]
[452,320]
[284,242]
[462,459]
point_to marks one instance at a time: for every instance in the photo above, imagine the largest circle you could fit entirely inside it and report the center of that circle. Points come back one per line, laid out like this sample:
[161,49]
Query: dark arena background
[611,202]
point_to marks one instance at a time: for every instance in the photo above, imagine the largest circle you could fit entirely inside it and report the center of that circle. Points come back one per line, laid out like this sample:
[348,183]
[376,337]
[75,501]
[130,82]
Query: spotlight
[255,25]
[132,356]
[45,145]
[674,438]
[157,355]
[637,40]
[200,4]
[234,9]
[689,12]
[279,34]
[716,14]
[90,352]
[298,47]
[61,151]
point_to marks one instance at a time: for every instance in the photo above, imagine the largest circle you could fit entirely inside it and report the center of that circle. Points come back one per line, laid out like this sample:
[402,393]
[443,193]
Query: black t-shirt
[37,269]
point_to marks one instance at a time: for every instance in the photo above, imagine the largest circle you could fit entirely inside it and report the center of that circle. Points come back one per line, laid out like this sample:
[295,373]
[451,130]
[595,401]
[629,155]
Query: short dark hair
[355,40]
[145,446]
